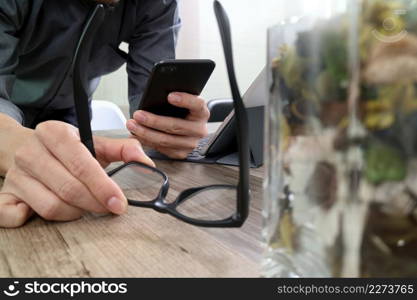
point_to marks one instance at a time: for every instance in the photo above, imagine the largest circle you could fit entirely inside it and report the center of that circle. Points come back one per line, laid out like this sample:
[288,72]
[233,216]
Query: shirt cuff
[11,110]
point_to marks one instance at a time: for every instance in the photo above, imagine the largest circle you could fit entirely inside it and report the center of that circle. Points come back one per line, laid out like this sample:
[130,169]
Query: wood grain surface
[142,243]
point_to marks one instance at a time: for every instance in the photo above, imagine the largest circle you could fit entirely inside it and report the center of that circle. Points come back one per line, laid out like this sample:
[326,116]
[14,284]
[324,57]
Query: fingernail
[174,98]
[131,126]
[116,205]
[141,117]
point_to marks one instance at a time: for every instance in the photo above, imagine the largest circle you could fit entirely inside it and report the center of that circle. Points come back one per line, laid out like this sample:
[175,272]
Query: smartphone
[187,76]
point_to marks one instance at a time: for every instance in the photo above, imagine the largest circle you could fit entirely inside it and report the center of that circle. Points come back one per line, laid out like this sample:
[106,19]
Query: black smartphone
[186,76]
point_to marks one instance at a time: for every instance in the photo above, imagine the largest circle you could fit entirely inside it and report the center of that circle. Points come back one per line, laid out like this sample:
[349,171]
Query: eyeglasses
[144,186]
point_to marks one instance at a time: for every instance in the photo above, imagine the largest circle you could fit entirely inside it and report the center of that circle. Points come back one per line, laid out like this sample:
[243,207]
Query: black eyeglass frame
[170,208]
[83,116]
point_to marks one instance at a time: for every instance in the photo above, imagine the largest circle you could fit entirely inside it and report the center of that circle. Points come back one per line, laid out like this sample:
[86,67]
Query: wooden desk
[142,243]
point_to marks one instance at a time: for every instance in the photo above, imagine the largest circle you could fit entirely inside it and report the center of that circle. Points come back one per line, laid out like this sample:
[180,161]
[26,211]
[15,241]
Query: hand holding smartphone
[186,76]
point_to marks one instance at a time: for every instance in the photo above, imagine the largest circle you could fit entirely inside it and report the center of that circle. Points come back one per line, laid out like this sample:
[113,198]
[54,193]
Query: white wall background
[199,38]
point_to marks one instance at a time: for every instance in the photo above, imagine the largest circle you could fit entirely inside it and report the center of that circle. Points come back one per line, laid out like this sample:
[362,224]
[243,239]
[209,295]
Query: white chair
[106,116]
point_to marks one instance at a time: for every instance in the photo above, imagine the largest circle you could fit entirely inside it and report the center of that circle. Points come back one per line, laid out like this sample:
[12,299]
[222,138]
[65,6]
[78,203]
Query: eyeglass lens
[210,204]
[213,203]
[139,183]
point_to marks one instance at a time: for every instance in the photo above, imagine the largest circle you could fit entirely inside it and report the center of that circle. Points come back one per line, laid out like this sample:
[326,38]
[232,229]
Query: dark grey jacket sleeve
[154,40]
[12,18]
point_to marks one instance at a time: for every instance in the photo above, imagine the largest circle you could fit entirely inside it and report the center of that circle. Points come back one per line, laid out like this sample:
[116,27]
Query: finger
[58,179]
[159,139]
[170,125]
[197,106]
[45,203]
[64,144]
[13,212]
[126,150]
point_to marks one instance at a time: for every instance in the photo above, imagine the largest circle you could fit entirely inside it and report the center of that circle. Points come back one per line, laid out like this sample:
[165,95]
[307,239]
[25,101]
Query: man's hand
[55,176]
[173,137]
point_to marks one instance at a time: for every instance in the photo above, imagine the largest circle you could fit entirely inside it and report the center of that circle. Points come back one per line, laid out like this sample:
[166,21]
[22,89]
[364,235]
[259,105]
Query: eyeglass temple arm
[80,61]
[242,122]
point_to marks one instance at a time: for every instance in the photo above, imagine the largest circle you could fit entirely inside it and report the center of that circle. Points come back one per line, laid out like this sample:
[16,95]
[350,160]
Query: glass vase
[341,150]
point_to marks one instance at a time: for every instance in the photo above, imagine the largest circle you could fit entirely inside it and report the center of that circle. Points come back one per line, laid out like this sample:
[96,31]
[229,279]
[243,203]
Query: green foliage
[317,67]
[384,163]
[334,55]
[316,70]
[292,68]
